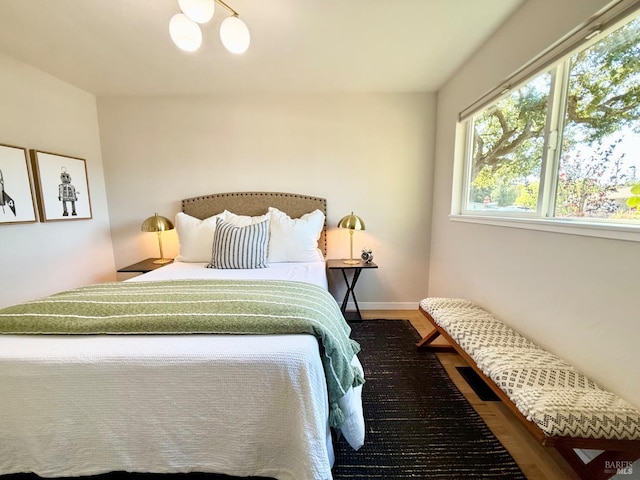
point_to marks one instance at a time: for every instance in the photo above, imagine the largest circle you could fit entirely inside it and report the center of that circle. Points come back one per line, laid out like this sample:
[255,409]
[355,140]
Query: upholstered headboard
[257,203]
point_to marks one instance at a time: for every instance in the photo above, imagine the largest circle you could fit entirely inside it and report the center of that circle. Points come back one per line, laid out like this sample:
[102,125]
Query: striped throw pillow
[240,247]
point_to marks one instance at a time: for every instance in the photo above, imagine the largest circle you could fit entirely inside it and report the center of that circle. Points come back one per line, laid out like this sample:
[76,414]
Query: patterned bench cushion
[514,369]
[568,412]
[546,390]
[472,337]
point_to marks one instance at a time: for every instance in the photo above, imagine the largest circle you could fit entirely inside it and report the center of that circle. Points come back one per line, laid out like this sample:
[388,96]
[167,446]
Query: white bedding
[310,272]
[240,405]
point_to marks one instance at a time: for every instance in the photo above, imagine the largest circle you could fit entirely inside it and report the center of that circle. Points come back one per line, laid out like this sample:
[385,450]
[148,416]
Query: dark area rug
[419,425]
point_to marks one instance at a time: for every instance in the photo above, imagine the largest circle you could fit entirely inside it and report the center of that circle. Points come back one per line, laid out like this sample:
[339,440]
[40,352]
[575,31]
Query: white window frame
[542,218]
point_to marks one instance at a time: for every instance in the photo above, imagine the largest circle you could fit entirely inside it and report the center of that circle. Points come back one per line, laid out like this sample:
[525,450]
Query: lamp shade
[185,33]
[235,35]
[156,223]
[352,222]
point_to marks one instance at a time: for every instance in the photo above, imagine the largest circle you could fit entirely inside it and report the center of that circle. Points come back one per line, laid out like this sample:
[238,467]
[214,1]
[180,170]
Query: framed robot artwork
[62,186]
[16,194]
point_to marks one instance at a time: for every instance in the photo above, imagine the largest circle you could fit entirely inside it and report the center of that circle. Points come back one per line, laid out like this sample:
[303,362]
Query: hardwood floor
[535,461]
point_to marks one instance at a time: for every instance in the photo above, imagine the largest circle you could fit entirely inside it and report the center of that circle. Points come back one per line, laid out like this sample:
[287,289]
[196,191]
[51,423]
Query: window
[564,144]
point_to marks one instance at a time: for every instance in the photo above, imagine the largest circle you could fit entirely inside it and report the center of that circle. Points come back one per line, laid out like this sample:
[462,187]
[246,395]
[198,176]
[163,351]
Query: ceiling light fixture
[186,34]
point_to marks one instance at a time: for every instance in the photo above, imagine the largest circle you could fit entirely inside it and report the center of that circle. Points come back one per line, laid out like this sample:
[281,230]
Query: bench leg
[426,343]
[423,344]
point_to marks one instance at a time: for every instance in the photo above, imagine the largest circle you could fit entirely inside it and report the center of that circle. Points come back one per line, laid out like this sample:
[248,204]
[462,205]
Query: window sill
[630,233]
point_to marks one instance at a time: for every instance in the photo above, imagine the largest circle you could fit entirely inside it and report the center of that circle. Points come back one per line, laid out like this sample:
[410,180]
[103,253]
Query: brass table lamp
[158,224]
[351,222]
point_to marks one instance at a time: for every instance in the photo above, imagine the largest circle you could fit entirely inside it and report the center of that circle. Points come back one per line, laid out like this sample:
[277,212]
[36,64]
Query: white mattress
[310,272]
[240,405]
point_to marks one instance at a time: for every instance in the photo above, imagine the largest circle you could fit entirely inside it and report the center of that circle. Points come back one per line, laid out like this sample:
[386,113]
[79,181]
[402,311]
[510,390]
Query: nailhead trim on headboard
[257,203]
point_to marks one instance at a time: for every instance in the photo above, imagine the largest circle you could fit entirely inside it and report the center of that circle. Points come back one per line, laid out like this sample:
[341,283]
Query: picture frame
[62,186]
[16,192]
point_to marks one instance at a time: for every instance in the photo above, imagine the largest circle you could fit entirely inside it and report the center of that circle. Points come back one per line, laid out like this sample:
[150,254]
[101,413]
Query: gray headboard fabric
[257,203]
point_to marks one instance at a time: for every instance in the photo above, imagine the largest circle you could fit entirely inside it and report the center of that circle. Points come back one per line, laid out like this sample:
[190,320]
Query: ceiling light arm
[235,14]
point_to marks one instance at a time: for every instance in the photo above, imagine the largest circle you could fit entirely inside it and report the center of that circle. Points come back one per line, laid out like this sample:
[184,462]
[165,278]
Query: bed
[249,404]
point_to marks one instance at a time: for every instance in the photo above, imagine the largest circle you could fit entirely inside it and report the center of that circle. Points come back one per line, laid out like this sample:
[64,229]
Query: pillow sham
[237,247]
[244,220]
[294,239]
[195,237]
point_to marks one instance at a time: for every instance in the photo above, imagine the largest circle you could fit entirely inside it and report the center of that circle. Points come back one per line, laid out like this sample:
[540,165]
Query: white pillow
[295,240]
[243,220]
[195,237]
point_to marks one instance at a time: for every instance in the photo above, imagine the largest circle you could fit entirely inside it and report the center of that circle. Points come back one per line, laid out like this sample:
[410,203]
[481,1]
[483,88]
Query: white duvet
[239,405]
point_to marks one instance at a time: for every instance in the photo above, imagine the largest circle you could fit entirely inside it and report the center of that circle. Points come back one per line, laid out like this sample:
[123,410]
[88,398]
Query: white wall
[575,295]
[37,259]
[370,153]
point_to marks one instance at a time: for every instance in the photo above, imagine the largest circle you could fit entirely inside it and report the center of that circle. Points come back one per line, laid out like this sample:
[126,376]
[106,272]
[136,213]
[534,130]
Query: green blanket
[200,306]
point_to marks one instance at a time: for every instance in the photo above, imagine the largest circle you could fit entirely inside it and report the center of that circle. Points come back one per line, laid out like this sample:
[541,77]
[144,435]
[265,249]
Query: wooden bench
[559,406]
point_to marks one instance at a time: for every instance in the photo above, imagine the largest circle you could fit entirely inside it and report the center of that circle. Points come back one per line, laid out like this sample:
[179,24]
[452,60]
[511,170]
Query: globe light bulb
[185,33]
[235,35]
[199,11]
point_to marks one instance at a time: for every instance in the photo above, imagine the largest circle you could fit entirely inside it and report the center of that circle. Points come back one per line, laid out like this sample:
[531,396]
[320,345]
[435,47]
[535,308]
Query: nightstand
[143,267]
[338,264]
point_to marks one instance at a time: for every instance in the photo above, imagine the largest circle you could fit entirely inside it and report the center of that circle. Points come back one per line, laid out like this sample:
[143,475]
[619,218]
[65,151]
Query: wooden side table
[142,267]
[338,264]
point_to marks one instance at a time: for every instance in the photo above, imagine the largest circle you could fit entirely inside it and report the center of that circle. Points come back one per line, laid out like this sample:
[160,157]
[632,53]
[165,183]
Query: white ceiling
[122,47]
